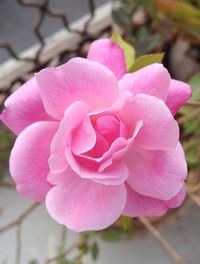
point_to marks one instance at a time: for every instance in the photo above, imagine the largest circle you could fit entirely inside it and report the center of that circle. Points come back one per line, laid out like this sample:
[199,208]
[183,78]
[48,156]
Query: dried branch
[64,253]
[63,239]
[20,219]
[195,198]
[186,118]
[7,185]
[193,103]
[18,244]
[162,240]
[193,189]
[17,223]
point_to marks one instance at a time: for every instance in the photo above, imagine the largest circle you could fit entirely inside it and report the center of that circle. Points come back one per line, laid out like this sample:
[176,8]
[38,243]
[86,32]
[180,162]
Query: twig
[63,239]
[18,244]
[20,219]
[64,253]
[162,240]
[193,103]
[195,198]
[7,185]
[193,189]
[188,117]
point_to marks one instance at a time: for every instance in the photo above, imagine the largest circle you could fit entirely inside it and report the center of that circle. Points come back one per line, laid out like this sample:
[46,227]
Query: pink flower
[95,142]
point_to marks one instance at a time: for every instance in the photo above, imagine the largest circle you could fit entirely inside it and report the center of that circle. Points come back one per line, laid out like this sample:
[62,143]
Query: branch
[188,117]
[193,103]
[18,244]
[64,253]
[162,240]
[20,219]
[195,198]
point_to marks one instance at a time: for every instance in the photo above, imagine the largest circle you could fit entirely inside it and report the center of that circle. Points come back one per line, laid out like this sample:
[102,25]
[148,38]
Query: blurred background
[38,33]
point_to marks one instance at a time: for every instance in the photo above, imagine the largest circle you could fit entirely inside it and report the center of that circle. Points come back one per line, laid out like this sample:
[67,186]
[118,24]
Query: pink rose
[95,142]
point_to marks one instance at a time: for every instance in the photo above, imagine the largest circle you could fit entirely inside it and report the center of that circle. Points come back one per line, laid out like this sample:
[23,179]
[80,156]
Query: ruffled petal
[83,138]
[178,95]
[83,205]
[77,80]
[158,174]
[153,80]
[114,174]
[138,205]
[159,131]
[110,55]
[108,169]
[24,107]
[29,160]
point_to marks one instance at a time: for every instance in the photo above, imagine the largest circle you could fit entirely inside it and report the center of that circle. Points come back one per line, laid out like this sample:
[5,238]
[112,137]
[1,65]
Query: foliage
[6,142]
[182,14]
[147,25]
[145,60]
[136,33]
[132,63]
[129,51]
[190,128]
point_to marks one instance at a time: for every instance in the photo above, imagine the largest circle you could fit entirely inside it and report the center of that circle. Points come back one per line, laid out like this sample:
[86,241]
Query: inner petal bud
[109,127]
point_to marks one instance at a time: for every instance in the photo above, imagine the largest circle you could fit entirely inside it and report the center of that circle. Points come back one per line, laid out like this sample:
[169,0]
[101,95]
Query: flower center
[107,128]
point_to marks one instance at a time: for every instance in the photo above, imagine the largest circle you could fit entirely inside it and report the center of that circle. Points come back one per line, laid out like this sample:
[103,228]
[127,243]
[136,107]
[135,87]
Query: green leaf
[146,60]
[192,158]
[34,261]
[94,251]
[112,235]
[129,51]
[178,9]
[65,261]
[120,16]
[183,14]
[83,247]
[126,222]
[194,82]
[190,127]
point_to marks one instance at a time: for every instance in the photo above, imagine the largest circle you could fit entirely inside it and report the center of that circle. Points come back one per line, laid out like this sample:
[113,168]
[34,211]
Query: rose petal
[152,80]
[159,131]
[88,169]
[77,80]
[84,205]
[177,200]
[24,107]
[178,95]
[138,205]
[73,119]
[101,146]
[158,174]
[109,127]
[29,160]
[108,169]
[109,54]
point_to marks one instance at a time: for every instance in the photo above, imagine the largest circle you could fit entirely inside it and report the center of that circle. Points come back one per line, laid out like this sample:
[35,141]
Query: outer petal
[29,160]
[138,205]
[179,93]
[153,80]
[84,205]
[159,130]
[24,107]
[77,80]
[158,174]
[109,54]
[177,200]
